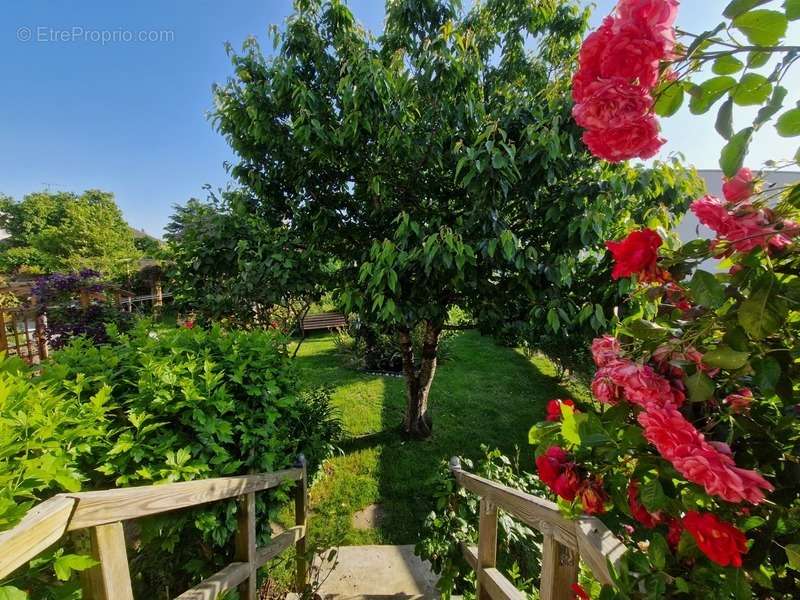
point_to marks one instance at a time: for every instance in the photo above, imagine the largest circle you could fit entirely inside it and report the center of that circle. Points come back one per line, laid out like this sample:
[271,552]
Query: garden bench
[329,320]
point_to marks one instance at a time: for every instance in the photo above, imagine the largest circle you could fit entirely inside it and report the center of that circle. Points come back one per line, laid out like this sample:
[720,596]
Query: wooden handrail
[565,541]
[103,512]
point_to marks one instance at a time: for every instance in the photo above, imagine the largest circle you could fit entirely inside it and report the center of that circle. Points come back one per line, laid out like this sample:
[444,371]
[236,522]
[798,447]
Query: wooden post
[85,299]
[487,543]
[301,518]
[3,338]
[559,570]
[111,579]
[246,544]
[41,337]
[158,296]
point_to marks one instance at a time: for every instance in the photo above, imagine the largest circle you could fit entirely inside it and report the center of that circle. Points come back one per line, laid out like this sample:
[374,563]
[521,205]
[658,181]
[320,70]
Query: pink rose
[605,349]
[712,213]
[604,389]
[656,14]
[637,139]
[740,401]
[739,187]
[633,53]
[589,58]
[611,103]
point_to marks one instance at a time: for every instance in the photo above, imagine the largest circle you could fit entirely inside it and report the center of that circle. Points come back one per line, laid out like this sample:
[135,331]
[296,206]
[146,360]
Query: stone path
[377,572]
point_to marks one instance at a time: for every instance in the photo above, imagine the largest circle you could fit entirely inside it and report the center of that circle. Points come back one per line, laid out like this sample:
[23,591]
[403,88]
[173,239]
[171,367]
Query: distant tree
[435,163]
[227,263]
[149,246]
[67,232]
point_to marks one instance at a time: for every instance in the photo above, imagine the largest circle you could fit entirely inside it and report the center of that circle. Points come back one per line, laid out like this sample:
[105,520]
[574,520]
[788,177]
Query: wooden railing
[565,542]
[104,512]
[22,333]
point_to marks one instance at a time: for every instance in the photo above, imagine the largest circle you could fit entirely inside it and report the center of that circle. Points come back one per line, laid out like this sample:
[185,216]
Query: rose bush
[689,449]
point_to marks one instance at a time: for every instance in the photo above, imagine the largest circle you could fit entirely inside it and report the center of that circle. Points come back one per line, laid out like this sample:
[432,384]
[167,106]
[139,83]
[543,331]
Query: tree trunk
[417,422]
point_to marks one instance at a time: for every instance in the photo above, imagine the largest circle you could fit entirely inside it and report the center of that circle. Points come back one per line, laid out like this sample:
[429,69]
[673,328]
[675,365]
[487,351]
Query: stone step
[375,572]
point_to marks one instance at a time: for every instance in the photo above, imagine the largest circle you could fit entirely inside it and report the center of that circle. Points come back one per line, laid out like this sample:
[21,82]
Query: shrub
[48,432]
[455,521]
[195,404]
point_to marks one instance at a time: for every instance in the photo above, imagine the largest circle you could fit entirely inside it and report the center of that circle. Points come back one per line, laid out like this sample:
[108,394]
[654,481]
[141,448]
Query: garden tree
[414,157]
[67,232]
[227,263]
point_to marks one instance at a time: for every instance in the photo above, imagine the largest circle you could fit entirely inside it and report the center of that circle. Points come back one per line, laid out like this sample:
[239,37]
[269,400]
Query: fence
[565,542]
[104,512]
[22,333]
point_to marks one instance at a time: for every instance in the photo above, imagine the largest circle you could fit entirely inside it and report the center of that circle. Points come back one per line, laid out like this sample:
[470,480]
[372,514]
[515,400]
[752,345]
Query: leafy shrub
[58,297]
[455,521]
[197,404]
[48,433]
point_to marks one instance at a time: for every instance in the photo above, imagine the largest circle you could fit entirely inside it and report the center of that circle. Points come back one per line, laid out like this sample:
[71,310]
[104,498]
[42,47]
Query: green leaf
[669,99]
[646,330]
[762,27]
[700,387]
[737,7]
[762,313]
[658,551]
[792,8]
[64,565]
[732,157]
[707,290]
[652,495]
[723,357]
[757,58]
[793,555]
[788,124]
[753,89]
[767,373]
[707,93]
[9,592]
[775,104]
[724,122]
[727,65]
[570,422]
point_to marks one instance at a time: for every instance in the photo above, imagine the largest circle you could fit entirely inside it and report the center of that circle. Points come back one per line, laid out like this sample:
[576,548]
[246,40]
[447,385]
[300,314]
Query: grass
[484,394]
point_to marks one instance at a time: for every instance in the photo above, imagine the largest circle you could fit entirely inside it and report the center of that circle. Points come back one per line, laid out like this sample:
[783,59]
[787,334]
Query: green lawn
[484,394]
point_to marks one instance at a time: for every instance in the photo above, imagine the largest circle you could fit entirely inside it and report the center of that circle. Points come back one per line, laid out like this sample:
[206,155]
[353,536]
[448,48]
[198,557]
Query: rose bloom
[611,103]
[740,401]
[639,512]
[657,14]
[739,187]
[674,532]
[637,139]
[638,384]
[589,59]
[605,350]
[554,408]
[604,389]
[593,497]
[636,254]
[567,484]
[677,440]
[712,213]
[719,541]
[580,593]
[633,53]
[551,464]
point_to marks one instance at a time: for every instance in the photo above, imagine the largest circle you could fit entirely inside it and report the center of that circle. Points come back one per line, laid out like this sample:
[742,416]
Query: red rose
[551,464]
[580,593]
[567,484]
[674,533]
[719,541]
[636,254]
[639,512]
[188,324]
[740,401]
[739,187]
[656,14]
[554,409]
[611,103]
[638,139]
[589,58]
[593,497]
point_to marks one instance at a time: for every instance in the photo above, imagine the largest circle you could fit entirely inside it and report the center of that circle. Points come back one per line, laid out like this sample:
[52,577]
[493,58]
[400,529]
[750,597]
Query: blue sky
[130,116]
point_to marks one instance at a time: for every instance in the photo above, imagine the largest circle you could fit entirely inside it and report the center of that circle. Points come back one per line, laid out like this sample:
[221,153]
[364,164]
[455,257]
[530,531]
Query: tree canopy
[62,231]
[437,163]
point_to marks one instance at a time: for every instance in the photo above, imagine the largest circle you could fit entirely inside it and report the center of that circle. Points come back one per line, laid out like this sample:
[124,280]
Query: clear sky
[128,115]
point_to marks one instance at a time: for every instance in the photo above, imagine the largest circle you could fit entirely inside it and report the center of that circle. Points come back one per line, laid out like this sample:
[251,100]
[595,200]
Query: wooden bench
[330,320]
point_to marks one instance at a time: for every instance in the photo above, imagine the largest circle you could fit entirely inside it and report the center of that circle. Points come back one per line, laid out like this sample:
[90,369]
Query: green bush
[190,404]
[455,521]
[48,434]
